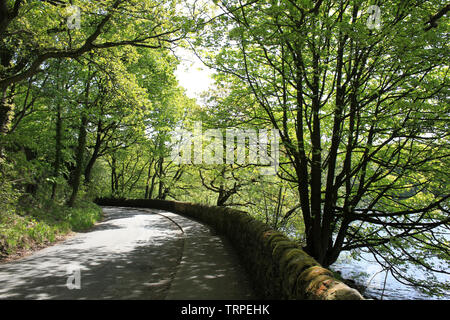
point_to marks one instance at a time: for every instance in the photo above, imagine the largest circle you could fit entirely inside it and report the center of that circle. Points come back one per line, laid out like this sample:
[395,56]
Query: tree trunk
[314,236]
[6,107]
[6,111]
[160,175]
[79,161]
[79,157]
[95,155]
[58,147]
[32,186]
[114,183]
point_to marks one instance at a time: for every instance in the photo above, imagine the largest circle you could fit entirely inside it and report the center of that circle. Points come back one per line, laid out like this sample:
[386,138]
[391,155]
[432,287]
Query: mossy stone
[280,247]
[309,282]
[341,291]
[296,260]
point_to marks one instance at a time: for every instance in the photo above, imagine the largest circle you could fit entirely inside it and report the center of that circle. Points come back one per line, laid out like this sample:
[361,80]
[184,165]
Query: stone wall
[278,267]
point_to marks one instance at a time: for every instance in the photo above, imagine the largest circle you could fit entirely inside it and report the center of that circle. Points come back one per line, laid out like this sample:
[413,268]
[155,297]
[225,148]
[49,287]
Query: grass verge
[41,224]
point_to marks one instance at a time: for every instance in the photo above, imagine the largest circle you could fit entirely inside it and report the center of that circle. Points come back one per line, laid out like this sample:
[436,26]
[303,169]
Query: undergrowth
[39,223]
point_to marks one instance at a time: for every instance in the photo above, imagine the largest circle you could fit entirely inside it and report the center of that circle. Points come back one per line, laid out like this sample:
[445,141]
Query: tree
[361,114]
[32,32]
[226,181]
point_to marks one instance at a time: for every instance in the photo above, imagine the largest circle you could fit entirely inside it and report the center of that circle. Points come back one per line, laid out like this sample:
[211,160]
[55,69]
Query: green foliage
[83,216]
[37,224]
[363,114]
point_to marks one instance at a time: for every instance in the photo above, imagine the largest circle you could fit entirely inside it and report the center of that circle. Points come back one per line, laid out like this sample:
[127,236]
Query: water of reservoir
[369,274]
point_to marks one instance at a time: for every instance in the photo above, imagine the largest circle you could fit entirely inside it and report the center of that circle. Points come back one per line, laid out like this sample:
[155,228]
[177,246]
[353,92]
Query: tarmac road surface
[132,254]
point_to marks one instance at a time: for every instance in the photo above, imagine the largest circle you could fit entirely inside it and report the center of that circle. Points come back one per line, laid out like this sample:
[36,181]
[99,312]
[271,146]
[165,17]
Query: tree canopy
[358,92]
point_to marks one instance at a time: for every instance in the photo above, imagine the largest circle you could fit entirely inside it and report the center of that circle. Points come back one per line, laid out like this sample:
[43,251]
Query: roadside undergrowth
[38,224]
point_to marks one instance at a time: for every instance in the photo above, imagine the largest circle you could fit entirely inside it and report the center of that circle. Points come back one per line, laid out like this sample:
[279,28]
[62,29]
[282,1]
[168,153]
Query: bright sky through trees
[192,74]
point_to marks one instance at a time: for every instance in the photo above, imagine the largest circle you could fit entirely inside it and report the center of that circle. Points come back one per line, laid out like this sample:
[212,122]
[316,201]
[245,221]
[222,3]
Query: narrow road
[131,254]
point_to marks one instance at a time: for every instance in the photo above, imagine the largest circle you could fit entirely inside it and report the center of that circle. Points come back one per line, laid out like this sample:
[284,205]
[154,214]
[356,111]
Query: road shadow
[210,268]
[156,261]
[142,272]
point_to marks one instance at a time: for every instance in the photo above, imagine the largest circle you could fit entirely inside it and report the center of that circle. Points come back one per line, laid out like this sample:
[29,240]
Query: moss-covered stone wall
[279,268]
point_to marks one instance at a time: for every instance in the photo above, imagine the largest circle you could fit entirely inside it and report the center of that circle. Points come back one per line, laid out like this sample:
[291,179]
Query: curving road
[131,254]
